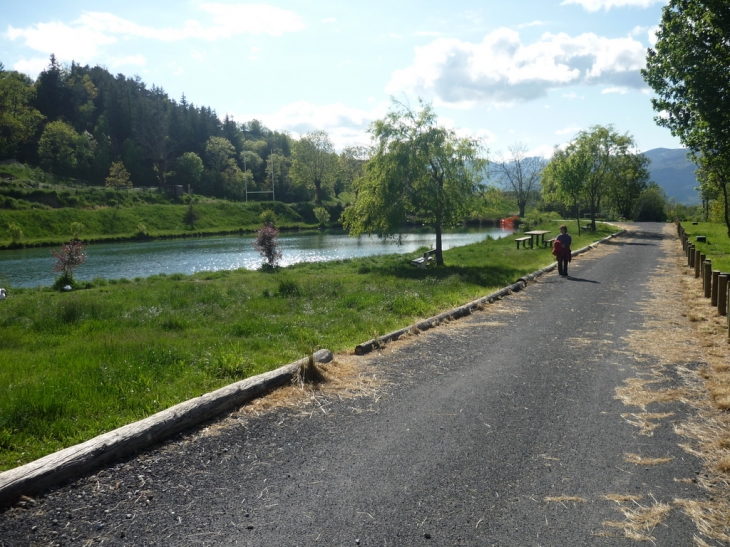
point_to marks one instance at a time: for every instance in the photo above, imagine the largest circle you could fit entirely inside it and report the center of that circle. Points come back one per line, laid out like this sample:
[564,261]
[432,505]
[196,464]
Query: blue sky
[523,71]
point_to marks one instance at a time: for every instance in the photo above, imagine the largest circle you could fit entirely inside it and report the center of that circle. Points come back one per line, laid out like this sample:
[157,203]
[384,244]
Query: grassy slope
[73,365]
[53,225]
[717,247]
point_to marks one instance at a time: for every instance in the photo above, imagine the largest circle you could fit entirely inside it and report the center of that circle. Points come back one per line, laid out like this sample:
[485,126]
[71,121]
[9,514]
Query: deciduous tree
[688,71]
[118,179]
[18,119]
[419,171]
[314,163]
[519,174]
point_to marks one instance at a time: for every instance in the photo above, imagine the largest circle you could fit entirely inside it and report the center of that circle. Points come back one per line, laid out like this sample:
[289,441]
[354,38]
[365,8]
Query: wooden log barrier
[707,277]
[722,293]
[701,239]
[713,292]
[79,459]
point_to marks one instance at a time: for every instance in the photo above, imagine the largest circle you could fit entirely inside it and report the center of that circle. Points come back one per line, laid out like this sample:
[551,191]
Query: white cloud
[31,67]
[619,90]
[394,35]
[253,18]
[652,35]
[503,70]
[572,95]
[346,126]
[572,130]
[83,39]
[329,20]
[541,151]
[595,5]
[80,43]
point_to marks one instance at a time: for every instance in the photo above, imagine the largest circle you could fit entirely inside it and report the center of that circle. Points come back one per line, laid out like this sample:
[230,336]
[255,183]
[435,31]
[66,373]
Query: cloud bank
[595,5]
[504,71]
[83,39]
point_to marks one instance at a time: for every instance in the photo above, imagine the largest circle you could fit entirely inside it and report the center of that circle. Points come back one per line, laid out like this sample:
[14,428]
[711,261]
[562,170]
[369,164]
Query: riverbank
[73,365]
[46,227]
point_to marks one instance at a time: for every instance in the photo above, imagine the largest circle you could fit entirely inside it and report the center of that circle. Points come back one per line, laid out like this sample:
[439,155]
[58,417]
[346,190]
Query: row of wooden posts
[714,282]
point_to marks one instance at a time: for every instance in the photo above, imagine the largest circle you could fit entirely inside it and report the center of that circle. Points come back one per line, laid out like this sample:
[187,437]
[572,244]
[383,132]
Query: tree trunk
[439,252]
[522,205]
[724,196]
[318,190]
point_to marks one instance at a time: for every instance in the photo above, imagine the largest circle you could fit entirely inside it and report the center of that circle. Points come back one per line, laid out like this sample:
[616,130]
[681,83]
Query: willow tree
[418,171]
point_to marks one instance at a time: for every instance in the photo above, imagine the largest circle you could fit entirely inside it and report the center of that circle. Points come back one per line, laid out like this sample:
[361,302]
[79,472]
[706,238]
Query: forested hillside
[76,122]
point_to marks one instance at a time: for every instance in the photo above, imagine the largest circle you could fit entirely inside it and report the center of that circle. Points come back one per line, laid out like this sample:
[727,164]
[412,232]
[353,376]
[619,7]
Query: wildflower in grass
[267,244]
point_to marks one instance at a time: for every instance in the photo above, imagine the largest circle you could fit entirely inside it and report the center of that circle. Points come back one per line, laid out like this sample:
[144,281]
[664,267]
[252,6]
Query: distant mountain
[671,170]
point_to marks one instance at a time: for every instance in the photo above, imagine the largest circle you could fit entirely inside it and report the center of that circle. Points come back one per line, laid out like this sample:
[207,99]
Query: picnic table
[537,234]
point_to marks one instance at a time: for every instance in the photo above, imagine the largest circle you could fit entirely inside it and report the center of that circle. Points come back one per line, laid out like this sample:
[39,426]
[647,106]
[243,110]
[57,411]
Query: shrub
[16,234]
[77,228]
[268,217]
[322,215]
[67,259]
[267,244]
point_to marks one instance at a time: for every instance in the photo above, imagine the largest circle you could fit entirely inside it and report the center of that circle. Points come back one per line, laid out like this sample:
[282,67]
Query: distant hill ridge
[671,170]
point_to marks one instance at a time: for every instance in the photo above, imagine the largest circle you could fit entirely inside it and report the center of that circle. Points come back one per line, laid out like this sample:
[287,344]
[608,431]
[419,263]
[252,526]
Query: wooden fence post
[713,293]
[707,277]
[692,252]
[699,259]
[722,293]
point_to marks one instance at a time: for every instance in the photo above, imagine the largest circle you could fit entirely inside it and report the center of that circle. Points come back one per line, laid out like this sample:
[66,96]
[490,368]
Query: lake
[33,267]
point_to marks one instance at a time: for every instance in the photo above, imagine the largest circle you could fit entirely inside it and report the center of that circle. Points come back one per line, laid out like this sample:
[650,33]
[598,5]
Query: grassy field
[74,365]
[717,247]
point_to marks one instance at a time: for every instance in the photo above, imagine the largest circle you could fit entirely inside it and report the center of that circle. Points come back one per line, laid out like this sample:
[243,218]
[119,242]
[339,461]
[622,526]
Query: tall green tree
[118,179]
[189,168]
[19,120]
[419,170]
[350,167]
[59,148]
[314,163]
[564,178]
[629,178]
[688,71]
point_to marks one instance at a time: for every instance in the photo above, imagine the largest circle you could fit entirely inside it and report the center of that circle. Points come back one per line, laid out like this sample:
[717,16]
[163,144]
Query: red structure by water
[508,223]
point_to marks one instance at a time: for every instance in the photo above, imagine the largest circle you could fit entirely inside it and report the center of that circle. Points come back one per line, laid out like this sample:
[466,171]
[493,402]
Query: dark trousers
[562,265]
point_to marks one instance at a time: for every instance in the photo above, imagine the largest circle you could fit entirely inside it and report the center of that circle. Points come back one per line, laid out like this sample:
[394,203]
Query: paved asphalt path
[479,425]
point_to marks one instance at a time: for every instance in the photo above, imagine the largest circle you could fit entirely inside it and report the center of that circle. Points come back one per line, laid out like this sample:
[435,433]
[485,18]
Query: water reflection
[33,267]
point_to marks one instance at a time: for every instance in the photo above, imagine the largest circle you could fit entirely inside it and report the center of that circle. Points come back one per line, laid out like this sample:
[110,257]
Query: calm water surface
[33,267]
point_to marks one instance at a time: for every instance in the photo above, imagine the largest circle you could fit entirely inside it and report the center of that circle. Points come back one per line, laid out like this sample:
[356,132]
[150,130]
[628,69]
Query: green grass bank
[717,246]
[74,365]
[53,226]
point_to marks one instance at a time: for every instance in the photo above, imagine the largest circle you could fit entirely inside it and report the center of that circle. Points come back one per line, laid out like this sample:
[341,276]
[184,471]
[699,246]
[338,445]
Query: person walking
[561,250]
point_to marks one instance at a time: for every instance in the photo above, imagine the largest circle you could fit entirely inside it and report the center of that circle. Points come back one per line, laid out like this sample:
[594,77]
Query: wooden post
[713,293]
[699,259]
[692,252]
[722,293]
[707,277]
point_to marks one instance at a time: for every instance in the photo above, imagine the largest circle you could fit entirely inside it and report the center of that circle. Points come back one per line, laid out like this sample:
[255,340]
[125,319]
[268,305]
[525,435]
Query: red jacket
[560,251]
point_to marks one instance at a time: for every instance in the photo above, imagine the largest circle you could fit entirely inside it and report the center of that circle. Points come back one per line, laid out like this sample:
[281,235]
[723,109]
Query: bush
[268,217]
[267,244]
[67,259]
[322,215]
